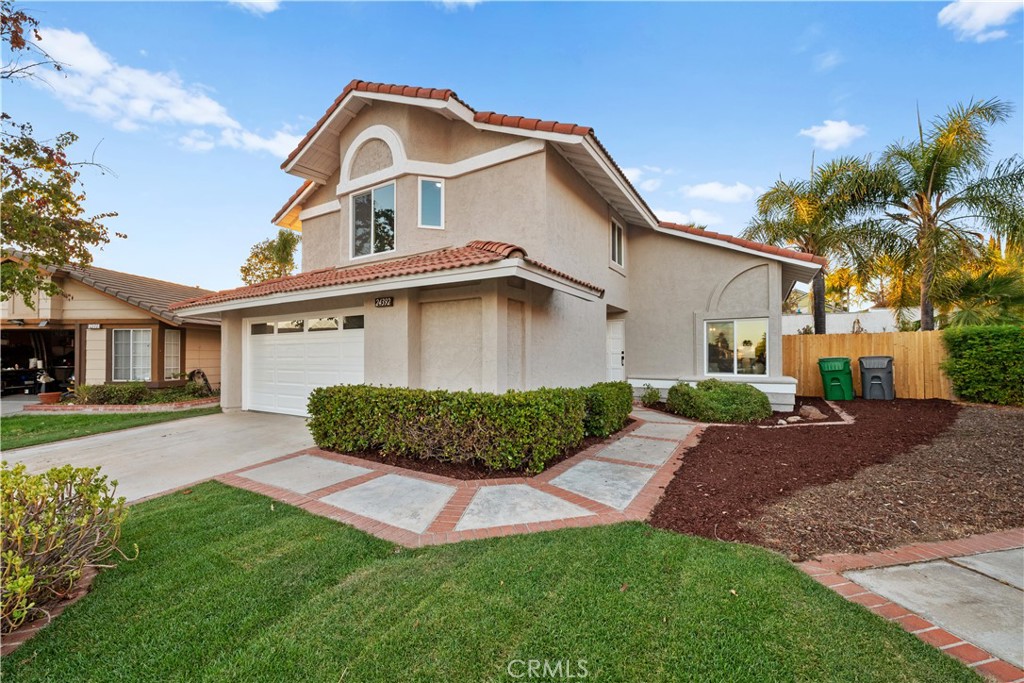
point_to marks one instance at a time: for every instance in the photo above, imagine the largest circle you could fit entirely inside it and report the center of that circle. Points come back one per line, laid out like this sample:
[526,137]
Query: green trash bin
[837,378]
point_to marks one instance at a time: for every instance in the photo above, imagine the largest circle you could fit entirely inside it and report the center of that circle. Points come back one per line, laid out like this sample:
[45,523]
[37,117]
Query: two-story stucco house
[449,248]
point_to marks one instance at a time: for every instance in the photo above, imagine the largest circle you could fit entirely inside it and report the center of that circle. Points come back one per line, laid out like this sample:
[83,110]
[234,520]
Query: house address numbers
[384,302]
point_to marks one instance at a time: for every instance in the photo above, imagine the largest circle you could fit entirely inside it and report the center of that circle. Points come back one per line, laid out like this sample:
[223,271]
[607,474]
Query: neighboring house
[108,327]
[840,322]
[444,247]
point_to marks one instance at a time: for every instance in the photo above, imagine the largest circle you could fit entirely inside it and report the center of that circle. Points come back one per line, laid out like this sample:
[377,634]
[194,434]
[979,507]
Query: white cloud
[650,185]
[719,192]
[454,5]
[632,174]
[826,61]
[975,21]
[259,7]
[692,217]
[647,178]
[131,98]
[832,135]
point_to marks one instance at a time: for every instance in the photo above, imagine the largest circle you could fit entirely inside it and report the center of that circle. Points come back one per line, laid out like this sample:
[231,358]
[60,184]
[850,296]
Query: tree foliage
[42,197]
[272,258]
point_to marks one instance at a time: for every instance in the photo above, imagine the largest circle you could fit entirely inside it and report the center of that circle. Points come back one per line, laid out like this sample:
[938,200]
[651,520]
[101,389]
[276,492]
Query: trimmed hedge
[511,431]
[136,393]
[986,363]
[608,407]
[713,400]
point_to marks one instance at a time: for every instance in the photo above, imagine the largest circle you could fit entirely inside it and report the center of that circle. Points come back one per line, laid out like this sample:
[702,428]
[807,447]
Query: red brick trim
[176,407]
[828,571]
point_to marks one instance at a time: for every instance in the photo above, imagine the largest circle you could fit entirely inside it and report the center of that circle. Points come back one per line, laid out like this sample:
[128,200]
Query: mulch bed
[736,473]
[470,471]
[800,402]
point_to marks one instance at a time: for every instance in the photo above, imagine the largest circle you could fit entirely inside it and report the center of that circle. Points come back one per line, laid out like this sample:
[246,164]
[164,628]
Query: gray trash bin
[876,378]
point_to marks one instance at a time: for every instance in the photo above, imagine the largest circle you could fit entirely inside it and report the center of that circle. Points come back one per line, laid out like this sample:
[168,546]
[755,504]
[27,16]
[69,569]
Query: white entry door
[287,359]
[616,356]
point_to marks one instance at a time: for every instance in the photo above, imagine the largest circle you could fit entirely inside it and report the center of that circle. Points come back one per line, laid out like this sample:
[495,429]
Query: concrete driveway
[156,458]
[12,405]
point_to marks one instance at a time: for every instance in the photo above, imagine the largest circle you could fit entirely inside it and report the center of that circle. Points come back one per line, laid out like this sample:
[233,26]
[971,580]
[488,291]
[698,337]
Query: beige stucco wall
[451,344]
[202,351]
[95,357]
[682,284]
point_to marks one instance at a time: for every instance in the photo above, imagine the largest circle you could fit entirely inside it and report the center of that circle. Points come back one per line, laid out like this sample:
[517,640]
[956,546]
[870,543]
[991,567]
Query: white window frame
[352,221]
[735,373]
[176,357]
[132,331]
[621,251]
[419,203]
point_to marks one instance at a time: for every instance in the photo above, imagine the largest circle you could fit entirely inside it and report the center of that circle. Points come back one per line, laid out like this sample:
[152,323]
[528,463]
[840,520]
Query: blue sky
[193,104]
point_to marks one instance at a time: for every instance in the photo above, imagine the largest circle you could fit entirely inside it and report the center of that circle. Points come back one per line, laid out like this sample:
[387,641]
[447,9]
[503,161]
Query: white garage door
[287,359]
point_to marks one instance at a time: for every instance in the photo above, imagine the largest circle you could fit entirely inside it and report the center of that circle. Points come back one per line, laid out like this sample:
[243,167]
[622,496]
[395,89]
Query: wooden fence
[916,358]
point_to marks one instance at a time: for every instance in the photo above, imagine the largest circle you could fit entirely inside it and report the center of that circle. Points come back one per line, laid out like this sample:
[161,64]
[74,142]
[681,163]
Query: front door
[616,346]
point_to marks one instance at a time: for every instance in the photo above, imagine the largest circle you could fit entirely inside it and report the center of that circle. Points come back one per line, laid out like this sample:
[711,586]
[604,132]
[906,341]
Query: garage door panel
[284,368]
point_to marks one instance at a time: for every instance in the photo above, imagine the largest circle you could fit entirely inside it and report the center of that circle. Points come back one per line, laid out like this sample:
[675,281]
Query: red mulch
[801,401]
[735,472]
[470,471]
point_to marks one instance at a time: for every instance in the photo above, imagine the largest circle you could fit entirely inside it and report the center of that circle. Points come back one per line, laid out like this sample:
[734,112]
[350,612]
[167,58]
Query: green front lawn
[18,431]
[229,586]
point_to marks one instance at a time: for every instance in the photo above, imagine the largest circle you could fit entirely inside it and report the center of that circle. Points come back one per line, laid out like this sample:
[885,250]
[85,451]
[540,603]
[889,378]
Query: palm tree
[935,197]
[989,291]
[816,216]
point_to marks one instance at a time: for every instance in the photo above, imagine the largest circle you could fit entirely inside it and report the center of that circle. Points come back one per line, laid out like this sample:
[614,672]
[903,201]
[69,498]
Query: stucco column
[231,360]
[494,360]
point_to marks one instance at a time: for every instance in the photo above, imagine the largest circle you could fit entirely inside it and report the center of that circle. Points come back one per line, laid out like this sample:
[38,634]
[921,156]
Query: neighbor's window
[133,357]
[431,203]
[617,255]
[172,354]
[373,221]
[737,347]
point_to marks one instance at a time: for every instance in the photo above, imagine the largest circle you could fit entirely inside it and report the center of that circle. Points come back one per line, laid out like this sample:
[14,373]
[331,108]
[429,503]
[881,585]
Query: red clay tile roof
[490,117]
[475,253]
[748,244]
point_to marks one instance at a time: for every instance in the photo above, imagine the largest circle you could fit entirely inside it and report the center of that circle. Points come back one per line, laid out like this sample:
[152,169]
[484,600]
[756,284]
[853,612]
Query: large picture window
[373,221]
[172,354]
[736,347]
[133,356]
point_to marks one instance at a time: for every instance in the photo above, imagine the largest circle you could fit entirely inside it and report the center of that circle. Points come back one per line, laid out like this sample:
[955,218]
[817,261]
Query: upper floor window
[431,203]
[617,253]
[373,221]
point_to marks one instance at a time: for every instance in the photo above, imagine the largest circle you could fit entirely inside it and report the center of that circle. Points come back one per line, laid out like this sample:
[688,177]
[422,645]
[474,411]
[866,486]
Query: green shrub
[123,393]
[650,396]
[51,526]
[713,400]
[515,430]
[608,407]
[986,363]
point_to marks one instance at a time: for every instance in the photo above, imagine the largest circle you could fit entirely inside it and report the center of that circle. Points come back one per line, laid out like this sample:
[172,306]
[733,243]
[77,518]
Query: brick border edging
[441,529]
[175,407]
[21,635]
[828,571]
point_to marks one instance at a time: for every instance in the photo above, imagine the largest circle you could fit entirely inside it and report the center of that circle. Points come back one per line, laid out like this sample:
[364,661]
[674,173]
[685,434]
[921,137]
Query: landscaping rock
[812,413]
[793,418]
[781,422]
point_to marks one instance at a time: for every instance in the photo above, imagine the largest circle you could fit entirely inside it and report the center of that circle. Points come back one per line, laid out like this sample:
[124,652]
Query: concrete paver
[609,483]
[646,451]
[656,416]
[494,506]
[1004,565]
[404,502]
[14,403]
[156,458]
[973,606]
[664,430]
[304,473]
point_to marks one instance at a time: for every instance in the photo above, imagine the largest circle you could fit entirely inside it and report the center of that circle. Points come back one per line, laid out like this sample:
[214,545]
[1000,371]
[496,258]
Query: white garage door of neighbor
[287,359]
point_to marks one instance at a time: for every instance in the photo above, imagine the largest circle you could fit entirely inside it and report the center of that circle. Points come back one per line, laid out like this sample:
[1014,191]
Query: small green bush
[135,393]
[518,430]
[650,396]
[51,526]
[608,407]
[986,363]
[713,400]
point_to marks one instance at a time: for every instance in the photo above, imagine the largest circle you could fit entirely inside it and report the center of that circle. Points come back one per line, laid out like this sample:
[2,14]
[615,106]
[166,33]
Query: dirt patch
[968,480]
[470,471]
[736,473]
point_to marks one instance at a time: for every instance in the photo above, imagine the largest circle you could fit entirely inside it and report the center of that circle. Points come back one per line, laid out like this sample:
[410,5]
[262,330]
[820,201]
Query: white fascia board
[806,266]
[501,269]
[298,200]
[609,169]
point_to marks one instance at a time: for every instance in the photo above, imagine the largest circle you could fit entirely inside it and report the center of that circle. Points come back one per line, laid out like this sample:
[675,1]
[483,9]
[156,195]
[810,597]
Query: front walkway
[617,480]
[965,597]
